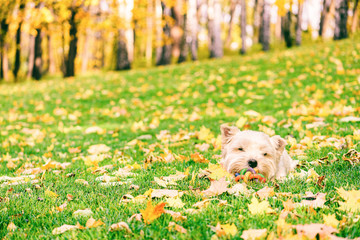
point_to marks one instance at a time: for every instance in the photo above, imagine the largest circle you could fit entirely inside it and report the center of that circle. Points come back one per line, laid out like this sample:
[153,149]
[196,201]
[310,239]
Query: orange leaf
[152,212]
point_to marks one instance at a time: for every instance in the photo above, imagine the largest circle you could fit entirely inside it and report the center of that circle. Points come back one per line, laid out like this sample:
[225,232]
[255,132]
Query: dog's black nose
[252,163]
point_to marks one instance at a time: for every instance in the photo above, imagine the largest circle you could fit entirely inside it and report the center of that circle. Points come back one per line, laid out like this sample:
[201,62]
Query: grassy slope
[206,88]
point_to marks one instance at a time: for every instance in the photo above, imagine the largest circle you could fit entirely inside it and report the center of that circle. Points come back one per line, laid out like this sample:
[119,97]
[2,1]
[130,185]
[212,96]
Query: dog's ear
[279,143]
[227,132]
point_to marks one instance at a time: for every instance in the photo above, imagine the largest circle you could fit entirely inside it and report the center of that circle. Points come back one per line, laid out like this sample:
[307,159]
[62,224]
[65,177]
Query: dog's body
[244,149]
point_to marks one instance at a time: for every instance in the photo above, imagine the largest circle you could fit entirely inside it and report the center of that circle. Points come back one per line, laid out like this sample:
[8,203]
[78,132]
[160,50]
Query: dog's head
[244,149]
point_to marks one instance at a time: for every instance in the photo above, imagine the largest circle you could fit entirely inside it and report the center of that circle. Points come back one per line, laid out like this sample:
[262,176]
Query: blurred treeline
[68,36]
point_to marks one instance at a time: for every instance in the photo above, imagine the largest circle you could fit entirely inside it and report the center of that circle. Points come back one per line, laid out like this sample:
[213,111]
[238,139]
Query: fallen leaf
[216,188]
[92,223]
[61,207]
[317,203]
[310,231]
[136,216]
[97,149]
[176,215]
[257,207]
[152,212]
[198,158]
[11,227]
[330,220]
[120,226]
[173,226]
[237,189]
[254,234]
[159,193]
[352,200]
[224,229]
[51,194]
[202,147]
[83,213]
[265,192]
[63,229]
[175,202]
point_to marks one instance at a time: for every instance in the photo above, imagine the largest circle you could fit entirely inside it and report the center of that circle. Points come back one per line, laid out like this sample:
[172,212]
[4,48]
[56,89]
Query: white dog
[244,149]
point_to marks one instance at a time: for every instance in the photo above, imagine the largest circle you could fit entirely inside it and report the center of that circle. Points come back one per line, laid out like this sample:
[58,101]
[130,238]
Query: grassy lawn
[153,122]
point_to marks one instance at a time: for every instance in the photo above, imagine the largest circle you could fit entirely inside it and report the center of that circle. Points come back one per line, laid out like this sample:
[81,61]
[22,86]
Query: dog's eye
[265,154]
[240,149]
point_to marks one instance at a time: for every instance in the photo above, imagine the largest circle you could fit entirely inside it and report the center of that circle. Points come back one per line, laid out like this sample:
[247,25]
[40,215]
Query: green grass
[274,82]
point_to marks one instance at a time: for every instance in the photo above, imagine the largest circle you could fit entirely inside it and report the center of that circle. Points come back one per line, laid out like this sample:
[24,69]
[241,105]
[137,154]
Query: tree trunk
[122,58]
[184,50]
[149,33]
[37,68]
[192,26]
[264,34]
[340,31]
[177,30]
[18,42]
[285,26]
[85,53]
[257,21]
[31,56]
[4,64]
[324,13]
[233,4]
[278,28]
[70,59]
[298,29]
[214,29]
[355,18]
[164,56]
[243,26]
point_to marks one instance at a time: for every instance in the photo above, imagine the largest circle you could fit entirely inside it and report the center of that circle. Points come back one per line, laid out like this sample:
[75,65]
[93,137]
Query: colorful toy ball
[250,174]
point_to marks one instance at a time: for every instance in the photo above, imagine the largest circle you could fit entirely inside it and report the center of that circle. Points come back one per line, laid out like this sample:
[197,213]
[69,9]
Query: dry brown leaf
[265,192]
[317,203]
[173,226]
[98,148]
[120,226]
[216,188]
[311,230]
[92,223]
[11,227]
[136,216]
[159,193]
[176,215]
[63,229]
[254,234]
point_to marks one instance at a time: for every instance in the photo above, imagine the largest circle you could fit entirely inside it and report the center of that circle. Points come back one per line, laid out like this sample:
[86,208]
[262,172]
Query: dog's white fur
[238,147]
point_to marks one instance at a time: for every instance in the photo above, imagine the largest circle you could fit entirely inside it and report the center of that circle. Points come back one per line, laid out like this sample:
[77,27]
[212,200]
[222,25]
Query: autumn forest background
[75,36]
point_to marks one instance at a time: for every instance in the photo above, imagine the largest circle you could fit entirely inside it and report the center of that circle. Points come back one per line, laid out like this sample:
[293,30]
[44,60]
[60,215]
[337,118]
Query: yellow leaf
[11,227]
[257,207]
[152,212]
[330,220]
[352,200]
[97,149]
[175,202]
[241,122]
[92,223]
[217,172]
[63,229]
[229,229]
[51,194]
[198,158]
